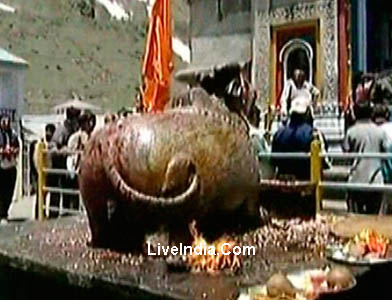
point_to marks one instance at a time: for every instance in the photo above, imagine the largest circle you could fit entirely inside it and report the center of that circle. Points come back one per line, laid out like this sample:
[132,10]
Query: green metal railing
[316,157]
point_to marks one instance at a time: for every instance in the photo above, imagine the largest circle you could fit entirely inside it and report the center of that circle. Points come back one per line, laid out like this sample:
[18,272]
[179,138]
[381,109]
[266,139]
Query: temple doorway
[295,46]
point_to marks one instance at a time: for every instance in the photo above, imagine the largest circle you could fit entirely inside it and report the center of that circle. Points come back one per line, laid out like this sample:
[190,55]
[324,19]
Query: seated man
[298,89]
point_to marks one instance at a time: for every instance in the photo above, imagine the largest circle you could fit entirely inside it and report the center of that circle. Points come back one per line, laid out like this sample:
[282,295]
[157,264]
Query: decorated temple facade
[290,34]
[330,39]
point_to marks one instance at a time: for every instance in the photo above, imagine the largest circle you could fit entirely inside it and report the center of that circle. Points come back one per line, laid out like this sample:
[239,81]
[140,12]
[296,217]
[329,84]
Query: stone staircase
[332,126]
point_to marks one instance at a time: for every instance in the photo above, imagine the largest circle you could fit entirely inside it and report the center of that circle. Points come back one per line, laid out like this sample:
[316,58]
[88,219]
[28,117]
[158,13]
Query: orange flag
[158,65]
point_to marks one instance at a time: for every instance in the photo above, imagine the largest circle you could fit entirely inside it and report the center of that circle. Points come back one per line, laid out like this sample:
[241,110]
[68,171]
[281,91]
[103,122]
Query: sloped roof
[215,55]
[75,103]
[193,73]
[7,57]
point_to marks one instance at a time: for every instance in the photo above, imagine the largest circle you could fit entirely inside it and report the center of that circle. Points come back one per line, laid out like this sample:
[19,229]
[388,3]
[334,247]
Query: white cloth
[300,104]
[76,143]
[7,162]
[387,127]
[304,95]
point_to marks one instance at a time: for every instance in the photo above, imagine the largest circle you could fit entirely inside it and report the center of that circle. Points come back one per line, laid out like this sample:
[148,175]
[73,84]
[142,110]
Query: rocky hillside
[74,47]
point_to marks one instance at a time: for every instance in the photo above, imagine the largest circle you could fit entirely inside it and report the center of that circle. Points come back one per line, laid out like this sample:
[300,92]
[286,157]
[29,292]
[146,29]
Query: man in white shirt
[298,89]
[77,142]
[79,139]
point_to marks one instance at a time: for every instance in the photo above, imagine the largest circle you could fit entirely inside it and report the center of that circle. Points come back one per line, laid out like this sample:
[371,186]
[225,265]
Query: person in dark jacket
[9,149]
[297,136]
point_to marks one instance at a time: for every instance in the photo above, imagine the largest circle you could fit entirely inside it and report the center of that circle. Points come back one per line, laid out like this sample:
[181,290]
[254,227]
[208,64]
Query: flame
[373,242]
[212,263]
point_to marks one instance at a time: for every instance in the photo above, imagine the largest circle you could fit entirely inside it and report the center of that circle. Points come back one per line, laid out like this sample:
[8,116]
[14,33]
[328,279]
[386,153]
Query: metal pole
[316,171]
[286,155]
[41,180]
[357,186]
[355,155]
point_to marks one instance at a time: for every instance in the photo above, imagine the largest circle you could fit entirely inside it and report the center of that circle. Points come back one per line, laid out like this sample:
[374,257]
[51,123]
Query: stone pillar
[344,55]
[260,46]
[361,7]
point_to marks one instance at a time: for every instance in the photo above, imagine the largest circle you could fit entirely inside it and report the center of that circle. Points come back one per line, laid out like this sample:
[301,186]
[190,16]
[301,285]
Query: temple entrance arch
[296,53]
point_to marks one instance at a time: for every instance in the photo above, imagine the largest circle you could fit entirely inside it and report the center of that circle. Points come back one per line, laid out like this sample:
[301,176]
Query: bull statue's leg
[99,223]
[127,229]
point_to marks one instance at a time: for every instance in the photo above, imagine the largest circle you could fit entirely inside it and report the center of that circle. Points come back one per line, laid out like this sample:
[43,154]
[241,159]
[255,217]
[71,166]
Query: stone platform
[51,260]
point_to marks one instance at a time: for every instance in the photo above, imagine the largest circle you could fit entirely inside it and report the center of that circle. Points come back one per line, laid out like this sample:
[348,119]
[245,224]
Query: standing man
[67,128]
[76,143]
[47,140]
[298,89]
[381,116]
[365,137]
[79,139]
[48,145]
[60,140]
[260,144]
[9,149]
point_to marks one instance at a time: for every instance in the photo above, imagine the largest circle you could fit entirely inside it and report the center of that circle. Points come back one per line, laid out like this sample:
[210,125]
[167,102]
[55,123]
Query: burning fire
[371,242]
[375,242]
[209,262]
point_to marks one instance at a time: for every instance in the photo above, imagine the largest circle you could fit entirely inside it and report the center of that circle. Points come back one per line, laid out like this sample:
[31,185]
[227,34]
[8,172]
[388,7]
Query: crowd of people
[69,136]
[369,131]
[64,144]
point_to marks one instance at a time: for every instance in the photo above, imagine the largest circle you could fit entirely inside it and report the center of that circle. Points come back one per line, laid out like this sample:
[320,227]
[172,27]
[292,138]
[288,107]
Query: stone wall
[220,31]
[210,51]
[220,17]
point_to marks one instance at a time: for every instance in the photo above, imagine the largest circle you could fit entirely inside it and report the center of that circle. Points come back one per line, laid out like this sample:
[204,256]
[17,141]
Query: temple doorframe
[289,48]
[274,30]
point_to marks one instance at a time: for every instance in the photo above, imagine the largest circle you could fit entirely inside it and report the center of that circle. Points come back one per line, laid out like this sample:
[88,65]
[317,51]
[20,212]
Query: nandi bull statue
[149,171]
